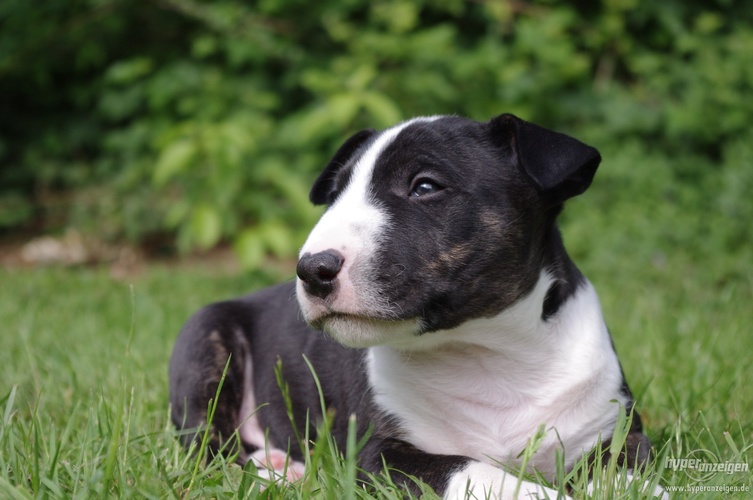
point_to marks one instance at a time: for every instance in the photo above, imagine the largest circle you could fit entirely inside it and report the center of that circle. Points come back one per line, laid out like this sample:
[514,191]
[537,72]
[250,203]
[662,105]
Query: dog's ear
[561,166]
[323,190]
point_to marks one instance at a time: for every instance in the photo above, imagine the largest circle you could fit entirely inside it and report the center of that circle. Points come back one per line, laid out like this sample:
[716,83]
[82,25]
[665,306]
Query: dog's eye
[423,187]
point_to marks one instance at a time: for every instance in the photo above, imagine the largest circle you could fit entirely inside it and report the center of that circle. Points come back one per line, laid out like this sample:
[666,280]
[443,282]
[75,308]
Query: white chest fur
[483,389]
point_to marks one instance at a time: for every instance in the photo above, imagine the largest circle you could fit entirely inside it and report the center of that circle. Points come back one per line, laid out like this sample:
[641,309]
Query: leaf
[342,108]
[312,123]
[206,226]
[176,213]
[382,109]
[249,248]
[125,72]
[277,238]
[174,159]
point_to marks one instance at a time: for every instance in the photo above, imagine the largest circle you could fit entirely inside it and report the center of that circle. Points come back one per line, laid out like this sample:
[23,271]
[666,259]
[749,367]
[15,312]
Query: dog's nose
[318,271]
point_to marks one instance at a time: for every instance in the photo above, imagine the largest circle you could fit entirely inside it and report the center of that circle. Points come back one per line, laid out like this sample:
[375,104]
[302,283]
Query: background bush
[202,122]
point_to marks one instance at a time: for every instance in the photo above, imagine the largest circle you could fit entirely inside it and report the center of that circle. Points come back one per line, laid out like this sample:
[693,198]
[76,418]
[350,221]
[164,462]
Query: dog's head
[434,222]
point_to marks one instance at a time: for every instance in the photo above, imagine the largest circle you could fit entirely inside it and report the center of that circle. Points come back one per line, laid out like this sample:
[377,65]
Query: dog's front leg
[452,476]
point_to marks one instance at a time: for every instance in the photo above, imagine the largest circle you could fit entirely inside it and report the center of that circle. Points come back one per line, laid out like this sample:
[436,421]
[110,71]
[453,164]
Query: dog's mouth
[321,321]
[335,317]
[355,330]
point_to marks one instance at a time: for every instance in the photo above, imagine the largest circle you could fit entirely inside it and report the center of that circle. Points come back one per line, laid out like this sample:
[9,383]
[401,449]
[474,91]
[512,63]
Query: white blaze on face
[353,226]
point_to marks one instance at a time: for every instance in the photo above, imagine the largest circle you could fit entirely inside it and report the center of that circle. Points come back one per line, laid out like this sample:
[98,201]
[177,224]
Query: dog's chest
[477,403]
[454,403]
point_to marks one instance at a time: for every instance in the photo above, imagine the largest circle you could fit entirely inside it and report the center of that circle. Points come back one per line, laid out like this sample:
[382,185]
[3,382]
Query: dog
[437,304]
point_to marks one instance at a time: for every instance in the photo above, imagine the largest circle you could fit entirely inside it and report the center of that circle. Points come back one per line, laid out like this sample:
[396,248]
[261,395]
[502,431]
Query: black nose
[318,271]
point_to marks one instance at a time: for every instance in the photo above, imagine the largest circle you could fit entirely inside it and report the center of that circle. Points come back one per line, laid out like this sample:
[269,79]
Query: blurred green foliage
[207,120]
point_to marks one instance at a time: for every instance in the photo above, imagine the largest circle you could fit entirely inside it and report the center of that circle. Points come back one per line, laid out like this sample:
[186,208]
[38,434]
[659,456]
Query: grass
[83,369]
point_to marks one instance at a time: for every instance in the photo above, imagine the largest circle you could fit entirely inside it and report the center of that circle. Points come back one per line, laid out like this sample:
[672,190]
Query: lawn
[83,363]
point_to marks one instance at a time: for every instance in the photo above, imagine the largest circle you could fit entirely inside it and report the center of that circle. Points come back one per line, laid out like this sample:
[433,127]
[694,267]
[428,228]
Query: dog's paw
[274,465]
[479,480]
